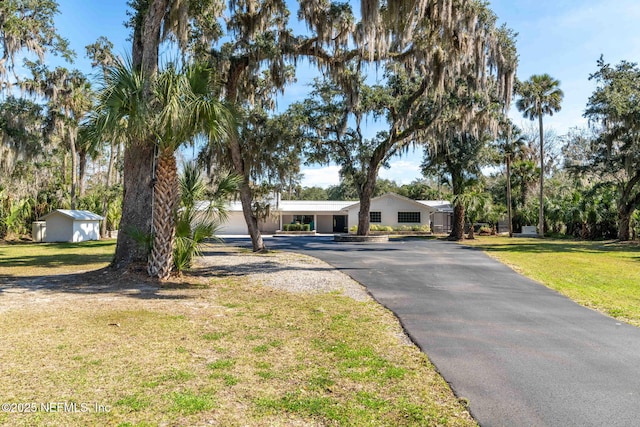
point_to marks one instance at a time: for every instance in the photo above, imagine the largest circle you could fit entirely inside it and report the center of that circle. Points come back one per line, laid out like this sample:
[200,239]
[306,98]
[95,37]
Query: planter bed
[376,238]
[296,233]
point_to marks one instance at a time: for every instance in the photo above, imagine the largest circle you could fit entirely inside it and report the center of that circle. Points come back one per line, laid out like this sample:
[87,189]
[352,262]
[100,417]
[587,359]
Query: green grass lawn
[214,351]
[601,275]
[39,259]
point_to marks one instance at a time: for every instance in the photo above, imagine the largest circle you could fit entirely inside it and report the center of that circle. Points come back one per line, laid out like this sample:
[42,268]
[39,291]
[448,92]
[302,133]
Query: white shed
[71,226]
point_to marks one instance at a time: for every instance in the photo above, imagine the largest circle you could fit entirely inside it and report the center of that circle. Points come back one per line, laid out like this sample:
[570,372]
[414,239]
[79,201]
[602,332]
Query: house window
[409,217]
[302,219]
[375,216]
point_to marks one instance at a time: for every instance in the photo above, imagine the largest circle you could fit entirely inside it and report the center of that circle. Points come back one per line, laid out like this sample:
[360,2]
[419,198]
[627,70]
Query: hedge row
[375,227]
[296,227]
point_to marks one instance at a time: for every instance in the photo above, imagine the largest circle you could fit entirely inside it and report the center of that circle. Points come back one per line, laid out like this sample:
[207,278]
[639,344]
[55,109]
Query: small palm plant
[475,203]
[202,211]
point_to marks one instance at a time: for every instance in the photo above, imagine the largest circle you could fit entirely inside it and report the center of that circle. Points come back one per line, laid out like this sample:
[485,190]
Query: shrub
[485,229]
[296,227]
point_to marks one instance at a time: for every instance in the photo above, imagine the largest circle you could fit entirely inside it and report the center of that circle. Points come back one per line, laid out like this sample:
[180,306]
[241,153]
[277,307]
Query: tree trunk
[471,235]
[509,206]
[139,155]
[457,187]
[118,174]
[165,201]
[457,228]
[624,223]
[246,196]
[146,37]
[541,213]
[74,172]
[365,195]
[107,187]
[136,203]
[82,172]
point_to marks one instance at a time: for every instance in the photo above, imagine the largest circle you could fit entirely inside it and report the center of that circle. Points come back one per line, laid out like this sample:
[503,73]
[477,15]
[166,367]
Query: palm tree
[511,140]
[152,22]
[101,55]
[189,110]
[182,107]
[539,96]
[197,221]
[69,99]
[475,204]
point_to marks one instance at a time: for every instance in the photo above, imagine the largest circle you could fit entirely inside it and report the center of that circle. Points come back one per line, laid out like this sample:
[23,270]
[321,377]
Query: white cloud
[402,171]
[321,177]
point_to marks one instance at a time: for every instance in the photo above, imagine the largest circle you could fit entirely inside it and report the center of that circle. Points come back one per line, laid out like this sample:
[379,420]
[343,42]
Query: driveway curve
[518,352]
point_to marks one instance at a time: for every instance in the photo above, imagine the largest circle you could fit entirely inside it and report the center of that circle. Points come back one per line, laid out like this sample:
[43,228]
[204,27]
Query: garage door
[235,224]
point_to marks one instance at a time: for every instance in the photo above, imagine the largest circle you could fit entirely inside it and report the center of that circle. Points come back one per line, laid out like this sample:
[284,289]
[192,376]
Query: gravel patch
[286,271]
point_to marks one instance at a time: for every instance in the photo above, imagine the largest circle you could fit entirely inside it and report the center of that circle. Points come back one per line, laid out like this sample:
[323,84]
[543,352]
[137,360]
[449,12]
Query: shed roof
[76,215]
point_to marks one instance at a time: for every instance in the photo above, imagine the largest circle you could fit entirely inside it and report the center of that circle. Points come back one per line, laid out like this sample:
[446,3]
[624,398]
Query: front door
[339,223]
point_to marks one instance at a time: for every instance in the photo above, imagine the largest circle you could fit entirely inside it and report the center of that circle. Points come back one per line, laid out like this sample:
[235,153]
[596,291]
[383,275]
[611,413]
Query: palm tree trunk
[509,208]
[471,235]
[541,213]
[74,171]
[457,228]
[164,207]
[107,186]
[82,172]
[118,177]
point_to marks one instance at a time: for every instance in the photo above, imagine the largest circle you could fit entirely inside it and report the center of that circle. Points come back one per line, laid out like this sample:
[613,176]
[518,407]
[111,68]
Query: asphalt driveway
[519,353]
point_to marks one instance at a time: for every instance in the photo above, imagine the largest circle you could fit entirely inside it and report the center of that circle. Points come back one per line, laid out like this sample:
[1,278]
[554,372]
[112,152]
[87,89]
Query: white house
[64,225]
[324,216]
[236,223]
[396,211]
[327,216]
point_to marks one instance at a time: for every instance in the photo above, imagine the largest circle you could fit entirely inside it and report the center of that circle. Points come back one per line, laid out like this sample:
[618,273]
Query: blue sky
[563,38]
